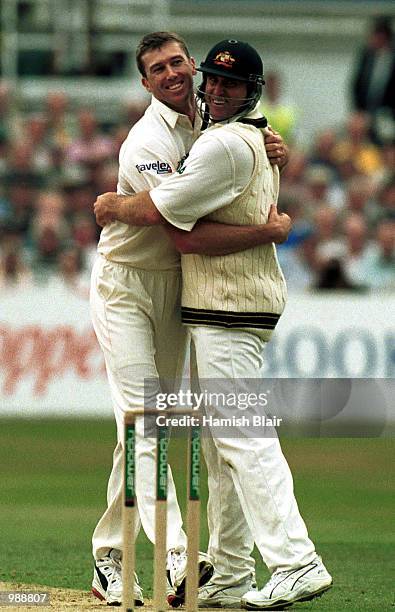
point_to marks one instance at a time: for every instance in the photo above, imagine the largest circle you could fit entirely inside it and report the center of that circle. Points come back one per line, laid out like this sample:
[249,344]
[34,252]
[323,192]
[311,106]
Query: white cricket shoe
[213,595]
[107,580]
[177,572]
[285,588]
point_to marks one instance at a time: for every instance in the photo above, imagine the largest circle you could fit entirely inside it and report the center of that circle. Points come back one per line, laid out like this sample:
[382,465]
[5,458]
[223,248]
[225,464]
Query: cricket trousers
[136,317]
[251,497]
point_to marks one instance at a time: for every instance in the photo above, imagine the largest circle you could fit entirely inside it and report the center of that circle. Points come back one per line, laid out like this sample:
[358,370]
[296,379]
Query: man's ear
[145,84]
[193,64]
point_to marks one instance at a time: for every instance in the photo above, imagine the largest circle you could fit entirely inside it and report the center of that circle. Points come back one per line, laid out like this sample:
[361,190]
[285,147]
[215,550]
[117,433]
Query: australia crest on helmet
[224,59]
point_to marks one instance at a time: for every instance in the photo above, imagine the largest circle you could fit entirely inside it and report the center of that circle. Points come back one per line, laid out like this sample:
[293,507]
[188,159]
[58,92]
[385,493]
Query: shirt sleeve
[143,164]
[217,170]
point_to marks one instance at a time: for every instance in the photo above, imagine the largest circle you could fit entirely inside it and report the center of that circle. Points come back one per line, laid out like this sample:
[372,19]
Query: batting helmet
[237,60]
[234,59]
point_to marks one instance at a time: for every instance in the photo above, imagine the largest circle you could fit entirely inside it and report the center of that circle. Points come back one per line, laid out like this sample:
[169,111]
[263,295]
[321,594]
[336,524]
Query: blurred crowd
[340,193]
[53,164]
[341,197]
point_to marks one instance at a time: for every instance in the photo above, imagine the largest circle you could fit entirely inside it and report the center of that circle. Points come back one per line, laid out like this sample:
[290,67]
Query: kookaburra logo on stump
[225,59]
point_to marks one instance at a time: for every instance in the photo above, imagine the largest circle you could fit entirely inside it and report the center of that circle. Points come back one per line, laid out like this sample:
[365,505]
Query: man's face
[224,96]
[170,76]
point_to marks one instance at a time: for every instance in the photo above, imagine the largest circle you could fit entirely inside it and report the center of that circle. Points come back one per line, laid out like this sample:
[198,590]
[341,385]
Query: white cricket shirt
[218,169]
[244,290]
[151,153]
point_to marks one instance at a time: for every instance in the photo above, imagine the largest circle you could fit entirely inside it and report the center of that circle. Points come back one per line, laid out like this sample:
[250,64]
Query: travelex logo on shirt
[158,166]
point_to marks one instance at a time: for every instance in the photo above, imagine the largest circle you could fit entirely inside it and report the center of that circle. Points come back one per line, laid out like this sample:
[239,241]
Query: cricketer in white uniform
[135,299]
[231,304]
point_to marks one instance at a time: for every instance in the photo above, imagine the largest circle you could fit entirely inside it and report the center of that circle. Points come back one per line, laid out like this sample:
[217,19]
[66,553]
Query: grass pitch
[53,477]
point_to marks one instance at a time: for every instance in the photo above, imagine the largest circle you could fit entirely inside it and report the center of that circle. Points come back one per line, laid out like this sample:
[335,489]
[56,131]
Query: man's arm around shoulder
[207,238]
[137,209]
[214,239]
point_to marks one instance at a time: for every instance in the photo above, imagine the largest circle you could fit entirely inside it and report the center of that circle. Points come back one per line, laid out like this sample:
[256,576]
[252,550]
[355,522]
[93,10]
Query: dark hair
[156,40]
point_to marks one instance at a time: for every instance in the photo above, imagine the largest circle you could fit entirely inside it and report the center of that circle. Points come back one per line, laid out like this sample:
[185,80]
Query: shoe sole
[96,593]
[283,604]
[206,571]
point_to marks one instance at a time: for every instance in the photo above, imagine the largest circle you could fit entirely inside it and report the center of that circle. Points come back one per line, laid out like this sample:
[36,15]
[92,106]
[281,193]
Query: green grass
[53,477]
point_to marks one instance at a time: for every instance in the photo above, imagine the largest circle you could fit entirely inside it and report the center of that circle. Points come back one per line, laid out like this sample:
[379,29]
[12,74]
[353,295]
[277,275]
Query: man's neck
[190,112]
[188,109]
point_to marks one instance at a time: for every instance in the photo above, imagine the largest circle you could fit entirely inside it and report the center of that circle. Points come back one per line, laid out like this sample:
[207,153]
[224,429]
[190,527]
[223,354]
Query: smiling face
[169,76]
[224,96]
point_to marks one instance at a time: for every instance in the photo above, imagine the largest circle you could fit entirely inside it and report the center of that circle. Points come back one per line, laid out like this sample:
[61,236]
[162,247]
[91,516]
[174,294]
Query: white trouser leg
[131,311]
[231,541]
[260,473]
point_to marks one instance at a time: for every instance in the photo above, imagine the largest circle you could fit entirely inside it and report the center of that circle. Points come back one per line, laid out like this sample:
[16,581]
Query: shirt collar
[169,115]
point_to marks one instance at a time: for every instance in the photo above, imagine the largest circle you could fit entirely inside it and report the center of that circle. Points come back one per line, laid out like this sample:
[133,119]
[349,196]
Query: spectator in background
[291,254]
[21,198]
[293,184]
[362,265]
[57,172]
[62,124]
[49,232]
[356,147]
[133,110]
[346,169]
[307,256]
[293,173]
[91,146]
[280,112]
[357,249]
[21,164]
[5,210]
[322,151]
[71,266]
[379,267]
[359,197]
[10,117]
[84,234]
[14,272]
[387,168]
[106,177]
[373,85]
[386,199]
[47,247]
[71,271]
[102,177]
[119,134]
[50,208]
[79,195]
[35,130]
[359,190]
[4,151]
[332,276]
[326,231]
[382,206]
[322,188]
